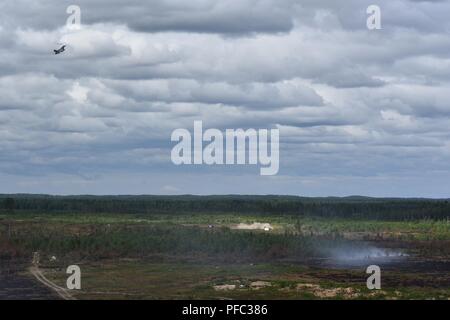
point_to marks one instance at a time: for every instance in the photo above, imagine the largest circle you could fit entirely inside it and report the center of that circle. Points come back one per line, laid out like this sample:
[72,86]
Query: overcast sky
[359,111]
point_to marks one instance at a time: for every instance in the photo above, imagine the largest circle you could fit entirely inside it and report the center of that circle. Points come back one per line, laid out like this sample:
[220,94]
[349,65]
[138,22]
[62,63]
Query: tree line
[348,207]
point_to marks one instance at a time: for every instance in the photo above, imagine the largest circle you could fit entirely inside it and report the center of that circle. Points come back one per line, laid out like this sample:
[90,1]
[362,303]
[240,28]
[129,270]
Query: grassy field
[412,229]
[201,256]
[136,279]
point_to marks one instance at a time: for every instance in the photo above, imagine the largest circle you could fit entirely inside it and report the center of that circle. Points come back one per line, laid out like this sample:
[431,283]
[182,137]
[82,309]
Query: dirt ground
[17,284]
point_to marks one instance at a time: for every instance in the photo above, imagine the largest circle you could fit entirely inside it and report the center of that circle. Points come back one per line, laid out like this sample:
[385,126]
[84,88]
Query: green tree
[9,204]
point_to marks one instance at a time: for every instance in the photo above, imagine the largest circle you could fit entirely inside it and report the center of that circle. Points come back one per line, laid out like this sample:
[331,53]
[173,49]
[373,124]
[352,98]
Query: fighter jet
[60,50]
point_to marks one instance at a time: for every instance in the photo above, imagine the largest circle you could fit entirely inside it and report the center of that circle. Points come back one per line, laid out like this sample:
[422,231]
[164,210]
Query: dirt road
[61,292]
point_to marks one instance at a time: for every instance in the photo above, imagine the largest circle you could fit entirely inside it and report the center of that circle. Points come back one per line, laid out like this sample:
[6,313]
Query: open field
[207,256]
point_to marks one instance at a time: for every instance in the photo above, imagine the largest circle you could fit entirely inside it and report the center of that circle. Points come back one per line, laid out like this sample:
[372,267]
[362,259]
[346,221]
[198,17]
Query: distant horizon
[3,195]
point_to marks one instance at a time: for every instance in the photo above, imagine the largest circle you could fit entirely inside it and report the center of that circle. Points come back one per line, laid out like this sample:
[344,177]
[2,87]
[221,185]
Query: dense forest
[348,207]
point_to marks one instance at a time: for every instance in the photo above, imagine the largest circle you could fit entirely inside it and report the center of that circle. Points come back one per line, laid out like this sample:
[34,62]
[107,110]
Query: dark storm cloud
[232,17]
[212,16]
